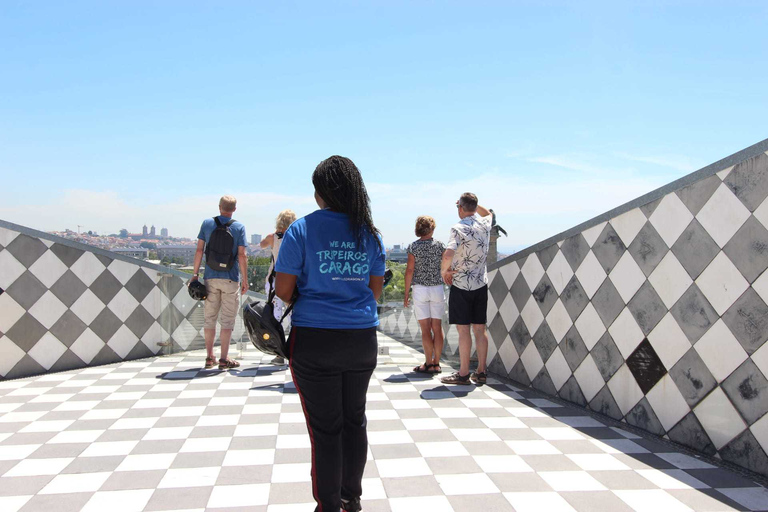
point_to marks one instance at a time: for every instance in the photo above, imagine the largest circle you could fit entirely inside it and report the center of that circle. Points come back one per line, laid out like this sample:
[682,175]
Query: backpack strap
[217,221]
[231,221]
[273,292]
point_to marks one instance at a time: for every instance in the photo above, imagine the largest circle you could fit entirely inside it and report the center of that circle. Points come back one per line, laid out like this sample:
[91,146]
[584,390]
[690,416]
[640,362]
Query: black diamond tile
[607,356]
[574,349]
[497,366]
[694,314]
[547,254]
[107,356]
[105,260]
[747,388]
[575,249]
[139,285]
[498,289]
[26,332]
[68,328]
[648,248]
[140,351]
[545,295]
[67,255]
[649,208]
[646,366]
[543,382]
[68,361]
[642,416]
[749,181]
[520,292]
[689,432]
[140,321]
[692,377]
[647,308]
[26,249]
[696,195]
[608,248]
[544,341]
[747,319]
[695,249]
[105,325]
[26,290]
[26,367]
[170,318]
[518,374]
[170,286]
[68,288]
[746,451]
[605,404]
[106,286]
[519,335]
[607,302]
[197,318]
[748,249]
[571,391]
[498,331]
[574,298]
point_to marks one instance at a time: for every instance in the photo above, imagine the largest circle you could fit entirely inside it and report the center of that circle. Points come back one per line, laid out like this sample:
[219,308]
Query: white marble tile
[532,315]
[670,279]
[667,402]
[558,368]
[590,274]
[627,277]
[558,320]
[720,351]
[669,341]
[624,389]
[626,333]
[532,360]
[628,225]
[722,215]
[590,326]
[559,272]
[589,378]
[532,271]
[719,418]
[722,283]
[670,218]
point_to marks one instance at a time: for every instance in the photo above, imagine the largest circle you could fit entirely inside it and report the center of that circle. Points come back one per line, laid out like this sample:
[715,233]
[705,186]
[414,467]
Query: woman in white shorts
[423,271]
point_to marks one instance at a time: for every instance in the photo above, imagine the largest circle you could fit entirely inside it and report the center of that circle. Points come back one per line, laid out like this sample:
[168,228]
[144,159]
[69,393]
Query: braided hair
[339,183]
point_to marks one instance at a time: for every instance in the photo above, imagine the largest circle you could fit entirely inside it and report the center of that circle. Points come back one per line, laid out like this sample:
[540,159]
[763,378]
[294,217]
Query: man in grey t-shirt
[464,269]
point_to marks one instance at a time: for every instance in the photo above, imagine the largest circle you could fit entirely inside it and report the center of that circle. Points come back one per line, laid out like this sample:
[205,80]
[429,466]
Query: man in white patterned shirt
[464,269]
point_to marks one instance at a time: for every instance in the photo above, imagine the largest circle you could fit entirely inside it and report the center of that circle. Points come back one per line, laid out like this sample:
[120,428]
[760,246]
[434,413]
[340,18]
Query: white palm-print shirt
[470,239]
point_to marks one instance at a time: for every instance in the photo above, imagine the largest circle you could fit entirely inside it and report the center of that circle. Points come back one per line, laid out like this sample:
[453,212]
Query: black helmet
[197,290]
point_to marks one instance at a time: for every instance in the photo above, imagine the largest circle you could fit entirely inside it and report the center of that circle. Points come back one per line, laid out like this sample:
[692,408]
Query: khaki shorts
[222,295]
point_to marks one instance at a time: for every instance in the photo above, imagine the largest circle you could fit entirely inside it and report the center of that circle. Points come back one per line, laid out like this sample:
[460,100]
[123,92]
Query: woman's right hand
[405,301]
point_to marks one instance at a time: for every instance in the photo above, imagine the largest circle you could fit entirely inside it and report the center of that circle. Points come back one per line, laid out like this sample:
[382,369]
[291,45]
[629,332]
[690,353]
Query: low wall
[68,305]
[653,314]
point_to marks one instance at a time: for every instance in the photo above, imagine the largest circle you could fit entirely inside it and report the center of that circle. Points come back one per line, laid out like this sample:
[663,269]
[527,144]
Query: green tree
[148,245]
[123,233]
[257,272]
[395,290]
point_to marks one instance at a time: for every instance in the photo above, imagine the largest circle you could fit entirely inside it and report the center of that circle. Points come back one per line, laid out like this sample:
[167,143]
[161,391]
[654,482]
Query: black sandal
[436,367]
[422,368]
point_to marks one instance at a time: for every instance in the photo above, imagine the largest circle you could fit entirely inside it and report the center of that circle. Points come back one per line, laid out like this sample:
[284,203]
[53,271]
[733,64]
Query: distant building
[255,239]
[144,230]
[152,232]
[185,252]
[398,255]
[132,252]
[164,232]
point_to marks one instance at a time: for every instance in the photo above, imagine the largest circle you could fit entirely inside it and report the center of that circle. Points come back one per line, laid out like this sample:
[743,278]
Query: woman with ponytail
[335,257]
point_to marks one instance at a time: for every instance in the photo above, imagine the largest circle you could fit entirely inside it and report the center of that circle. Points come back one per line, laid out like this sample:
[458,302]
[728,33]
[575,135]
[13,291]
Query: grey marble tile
[643,416]
[647,307]
[575,249]
[26,290]
[68,288]
[747,319]
[497,330]
[608,248]
[694,314]
[545,295]
[573,348]
[571,391]
[106,286]
[692,377]
[696,195]
[68,328]
[607,302]
[26,250]
[607,356]
[26,332]
[545,341]
[67,255]
[139,285]
[520,292]
[747,388]
[519,335]
[695,249]
[547,254]
[648,248]
[689,432]
[574,298]
[413,486]
[748,249]
[746,451]
[605,404]
[179,498]
[749,181]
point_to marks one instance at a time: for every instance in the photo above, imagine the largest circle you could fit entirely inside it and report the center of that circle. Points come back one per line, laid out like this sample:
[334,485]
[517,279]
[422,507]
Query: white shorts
[428,301]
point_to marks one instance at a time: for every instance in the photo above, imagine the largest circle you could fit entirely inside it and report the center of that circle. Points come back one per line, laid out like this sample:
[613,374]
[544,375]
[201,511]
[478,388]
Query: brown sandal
[228,364]
[209,362]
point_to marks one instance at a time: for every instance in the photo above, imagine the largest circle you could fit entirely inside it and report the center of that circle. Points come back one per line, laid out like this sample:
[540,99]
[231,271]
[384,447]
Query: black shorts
[468,307]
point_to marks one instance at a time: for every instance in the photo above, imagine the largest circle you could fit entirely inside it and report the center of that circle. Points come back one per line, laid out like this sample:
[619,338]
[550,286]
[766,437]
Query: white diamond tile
[628,225]
[509,272]
[122,270]
[761,213]
[760,431]
[88,306]
[760,358]
[669,341]
[12,354]
[536,502]
[123,304]
[722,215]
[667,402]
[559,320]
[559,272]
[670,218]
[491,347]
[185,304]
[7,236]
[123,341]
[532,271]
[591,234]
[47,350]
[155,302]
[48,268]
[626,333]
[509,355]
[590,326]
[10,312]
[10,269]
[184,334]
[87,346]
[670,279]
[508,311]
[491,310]
[624,389]
[87,268]
[754,498]
[627,277]
[724,173]
[720,351]
[722,283]
[48,309]
[719,418]
[589,378]
[591,274]
[558,368]
[532,361]
[651,500]
[532,315]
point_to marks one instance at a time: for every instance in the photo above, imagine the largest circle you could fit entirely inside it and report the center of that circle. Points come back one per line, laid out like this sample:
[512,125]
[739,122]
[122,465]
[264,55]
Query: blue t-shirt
[332,272]
[238,233]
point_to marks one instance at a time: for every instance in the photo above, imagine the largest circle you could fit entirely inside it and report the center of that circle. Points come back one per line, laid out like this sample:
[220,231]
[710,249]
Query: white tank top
[276,241]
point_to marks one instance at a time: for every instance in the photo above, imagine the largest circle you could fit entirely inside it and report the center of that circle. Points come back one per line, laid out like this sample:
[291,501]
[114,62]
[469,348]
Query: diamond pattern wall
[656,316]
[65,305]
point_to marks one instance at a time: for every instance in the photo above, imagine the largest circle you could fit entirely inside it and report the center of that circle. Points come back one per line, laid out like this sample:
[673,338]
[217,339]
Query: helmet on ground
[197,290]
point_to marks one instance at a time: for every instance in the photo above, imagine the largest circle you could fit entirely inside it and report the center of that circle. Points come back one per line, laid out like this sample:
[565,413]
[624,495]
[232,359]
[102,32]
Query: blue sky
[116,114]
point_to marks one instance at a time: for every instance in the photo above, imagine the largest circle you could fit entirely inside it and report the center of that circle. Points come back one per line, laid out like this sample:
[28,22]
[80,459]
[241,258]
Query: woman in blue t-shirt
[335,257]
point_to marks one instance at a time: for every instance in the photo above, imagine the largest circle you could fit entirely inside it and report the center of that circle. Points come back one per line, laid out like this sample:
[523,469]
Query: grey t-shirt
[427,255]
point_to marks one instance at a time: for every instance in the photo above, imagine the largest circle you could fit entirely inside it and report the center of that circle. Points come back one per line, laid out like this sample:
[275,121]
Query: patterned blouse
[470,239]
[427,254]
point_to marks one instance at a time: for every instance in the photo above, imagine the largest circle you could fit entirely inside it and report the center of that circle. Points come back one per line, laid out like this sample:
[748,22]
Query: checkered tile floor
[162,434]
